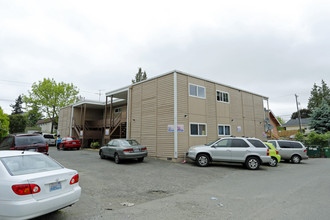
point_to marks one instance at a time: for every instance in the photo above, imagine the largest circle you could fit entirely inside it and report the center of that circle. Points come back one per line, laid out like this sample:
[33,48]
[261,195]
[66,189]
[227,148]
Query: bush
[95,145]
[313,138]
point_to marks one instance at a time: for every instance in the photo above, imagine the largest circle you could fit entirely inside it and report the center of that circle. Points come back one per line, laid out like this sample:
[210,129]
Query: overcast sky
[273,48]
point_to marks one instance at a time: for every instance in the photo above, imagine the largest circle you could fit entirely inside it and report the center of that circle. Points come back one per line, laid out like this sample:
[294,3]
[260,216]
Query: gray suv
[251,152]
[290,150]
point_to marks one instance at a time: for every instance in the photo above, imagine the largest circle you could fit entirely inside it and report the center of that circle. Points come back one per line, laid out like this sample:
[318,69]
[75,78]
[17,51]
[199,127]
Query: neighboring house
[167,113]
[272,132]
[293,125]
[45,125]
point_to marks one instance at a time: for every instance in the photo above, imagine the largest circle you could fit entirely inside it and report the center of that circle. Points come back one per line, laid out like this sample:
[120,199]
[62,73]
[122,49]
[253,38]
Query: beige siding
[212,111]
[183,114]
[64,121]
[165,114]
[136,121]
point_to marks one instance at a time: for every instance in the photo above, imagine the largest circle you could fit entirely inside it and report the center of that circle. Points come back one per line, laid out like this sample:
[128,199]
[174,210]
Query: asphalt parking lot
[157,189]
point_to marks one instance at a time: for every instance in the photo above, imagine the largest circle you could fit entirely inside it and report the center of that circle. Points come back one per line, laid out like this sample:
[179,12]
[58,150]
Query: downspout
[71,121]
[175,116]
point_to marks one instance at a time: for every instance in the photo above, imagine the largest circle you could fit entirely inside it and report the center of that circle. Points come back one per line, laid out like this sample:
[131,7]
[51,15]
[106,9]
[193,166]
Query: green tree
[34,115]
[52,96]
[281,120]
[320,118]
[300,137]
[318,93]
[140,76]
[17,123]
[314,138]
[17,107]
[4,124]
[304,113]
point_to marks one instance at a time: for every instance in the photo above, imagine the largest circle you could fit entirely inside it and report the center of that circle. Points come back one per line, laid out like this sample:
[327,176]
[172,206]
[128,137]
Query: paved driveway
[166,190]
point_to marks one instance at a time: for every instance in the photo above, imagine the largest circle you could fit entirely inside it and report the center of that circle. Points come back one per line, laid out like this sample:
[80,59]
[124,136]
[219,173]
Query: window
[224,130]
[296,145]
[197,129]
[239,143]
[284,144]
[197,91]
[222,96]
[117,110]
[223,143]
[256,143]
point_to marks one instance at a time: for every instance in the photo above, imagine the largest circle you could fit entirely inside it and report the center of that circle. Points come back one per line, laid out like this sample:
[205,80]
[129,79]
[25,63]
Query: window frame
[223,92]
[224,129]
[197,135]
[197,89]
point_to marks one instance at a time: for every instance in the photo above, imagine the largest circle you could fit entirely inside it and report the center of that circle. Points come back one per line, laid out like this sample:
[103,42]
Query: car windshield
[29,140]
[126,143]
[26,164]
[211,143]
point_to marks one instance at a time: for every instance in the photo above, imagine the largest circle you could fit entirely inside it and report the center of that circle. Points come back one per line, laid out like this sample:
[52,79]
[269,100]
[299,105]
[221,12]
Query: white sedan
[33,184]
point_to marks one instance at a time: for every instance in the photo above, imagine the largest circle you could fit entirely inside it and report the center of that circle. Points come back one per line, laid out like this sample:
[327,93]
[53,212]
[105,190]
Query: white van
[50,139]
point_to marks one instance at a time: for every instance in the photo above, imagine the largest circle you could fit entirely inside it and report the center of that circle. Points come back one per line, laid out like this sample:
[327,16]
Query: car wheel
[273,162]
[252,163]
[295,159]
[203,160]
[102,155]
[140,159]
[63,147]
[117,159]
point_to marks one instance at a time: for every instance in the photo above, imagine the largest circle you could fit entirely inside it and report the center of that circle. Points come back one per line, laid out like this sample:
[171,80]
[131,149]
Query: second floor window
[222,96]
[197,91]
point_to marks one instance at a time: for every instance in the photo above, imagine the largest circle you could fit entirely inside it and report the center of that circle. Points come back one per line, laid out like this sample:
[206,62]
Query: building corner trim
[175,116]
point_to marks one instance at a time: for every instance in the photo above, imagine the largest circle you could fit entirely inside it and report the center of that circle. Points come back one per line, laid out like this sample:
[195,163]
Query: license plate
[136,150]
[32,149]
[55,186]
[73,142]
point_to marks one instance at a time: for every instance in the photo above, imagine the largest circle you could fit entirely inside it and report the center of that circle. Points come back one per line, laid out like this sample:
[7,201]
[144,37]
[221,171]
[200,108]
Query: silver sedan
[122,149]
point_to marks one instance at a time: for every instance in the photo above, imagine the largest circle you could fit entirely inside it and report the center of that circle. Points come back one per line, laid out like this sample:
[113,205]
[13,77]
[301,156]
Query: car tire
[102,156]
[202,160]
[117,159]
[252,163]
[273,162]
[295,159]
[140,159]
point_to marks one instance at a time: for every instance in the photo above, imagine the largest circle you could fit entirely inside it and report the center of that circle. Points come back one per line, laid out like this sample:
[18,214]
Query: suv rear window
[256,143]
[238,143]
[49,136]
[29,140]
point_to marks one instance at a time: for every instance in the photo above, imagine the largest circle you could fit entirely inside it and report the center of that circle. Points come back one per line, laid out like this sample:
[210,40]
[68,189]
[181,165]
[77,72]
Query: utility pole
[299,117]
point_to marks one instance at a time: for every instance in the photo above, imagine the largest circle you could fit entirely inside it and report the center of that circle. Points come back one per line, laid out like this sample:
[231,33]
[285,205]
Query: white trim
[224,129]
[197,135]
[128,122]
[175,116]
[216,96]
[197,96]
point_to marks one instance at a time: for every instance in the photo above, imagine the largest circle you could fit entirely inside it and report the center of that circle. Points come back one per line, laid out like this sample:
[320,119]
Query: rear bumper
[31,208]
[133,155]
